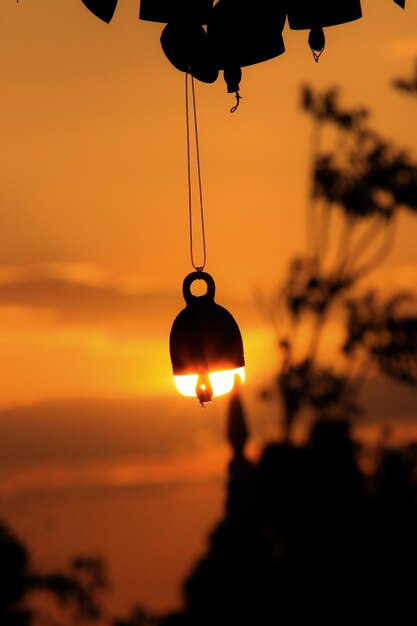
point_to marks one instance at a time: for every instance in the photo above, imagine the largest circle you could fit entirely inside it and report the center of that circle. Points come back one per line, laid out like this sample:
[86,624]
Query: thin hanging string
[201,266]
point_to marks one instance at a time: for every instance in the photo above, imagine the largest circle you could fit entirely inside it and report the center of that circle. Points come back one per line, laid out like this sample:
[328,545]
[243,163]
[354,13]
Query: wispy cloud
[108,442]
[92,442]
[82,294]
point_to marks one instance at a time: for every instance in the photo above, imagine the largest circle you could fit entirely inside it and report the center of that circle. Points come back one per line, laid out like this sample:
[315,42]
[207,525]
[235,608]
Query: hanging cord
[200,267]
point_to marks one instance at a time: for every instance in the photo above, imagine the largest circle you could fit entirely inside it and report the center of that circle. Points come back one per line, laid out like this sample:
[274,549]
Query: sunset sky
[94,232]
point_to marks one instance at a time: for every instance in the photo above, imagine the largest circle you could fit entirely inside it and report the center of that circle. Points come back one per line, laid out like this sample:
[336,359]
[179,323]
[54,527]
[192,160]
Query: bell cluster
[203,37]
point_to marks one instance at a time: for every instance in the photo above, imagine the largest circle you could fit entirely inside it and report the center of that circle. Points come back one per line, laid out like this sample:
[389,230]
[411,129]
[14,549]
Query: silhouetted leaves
[309,289]
[409,85]
[306,385]
[387,332]
[325,107]
[75,590]
[367,175]
[13,579]
[374,179]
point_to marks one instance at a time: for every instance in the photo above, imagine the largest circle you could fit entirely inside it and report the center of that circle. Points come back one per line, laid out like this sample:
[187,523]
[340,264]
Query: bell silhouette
[240,36]
[186,46]
[306,14]
[205,344]
[104,9]
[165,11]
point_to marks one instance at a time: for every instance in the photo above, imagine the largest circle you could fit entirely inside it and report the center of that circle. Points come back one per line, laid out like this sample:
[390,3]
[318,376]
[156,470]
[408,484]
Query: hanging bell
[104,9]
[205,344]
[307,14]
[186,46]
[165,11]
[240,37]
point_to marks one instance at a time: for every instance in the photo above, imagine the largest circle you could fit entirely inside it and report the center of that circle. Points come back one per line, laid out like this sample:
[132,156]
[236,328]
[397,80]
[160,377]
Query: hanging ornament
[186,46]
[205,344]
[240,34]
[104,9]
[317,42]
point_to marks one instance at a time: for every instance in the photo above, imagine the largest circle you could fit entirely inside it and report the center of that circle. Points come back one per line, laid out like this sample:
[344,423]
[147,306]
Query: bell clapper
[204,390]
[317,42]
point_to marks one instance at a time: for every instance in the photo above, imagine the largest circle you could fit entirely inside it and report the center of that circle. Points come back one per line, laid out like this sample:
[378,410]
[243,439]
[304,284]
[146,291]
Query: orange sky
[93,238]
[93,245]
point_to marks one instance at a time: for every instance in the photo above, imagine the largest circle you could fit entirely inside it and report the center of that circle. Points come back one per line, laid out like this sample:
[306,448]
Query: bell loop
[188,281]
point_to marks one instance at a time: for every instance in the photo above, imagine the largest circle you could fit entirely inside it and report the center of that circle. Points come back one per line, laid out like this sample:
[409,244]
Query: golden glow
[221,382]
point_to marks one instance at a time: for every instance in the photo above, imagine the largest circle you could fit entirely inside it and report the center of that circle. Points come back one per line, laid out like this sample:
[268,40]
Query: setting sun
[220,382]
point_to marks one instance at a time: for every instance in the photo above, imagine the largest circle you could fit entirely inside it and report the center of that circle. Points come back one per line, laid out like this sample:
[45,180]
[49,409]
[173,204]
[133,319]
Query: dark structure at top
[202,37]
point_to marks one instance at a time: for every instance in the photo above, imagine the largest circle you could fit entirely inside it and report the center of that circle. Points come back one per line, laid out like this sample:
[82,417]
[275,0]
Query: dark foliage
[386,332]
[407,85]
[75,589]
[318,542]
[370,176]
[308,288]
[13,580]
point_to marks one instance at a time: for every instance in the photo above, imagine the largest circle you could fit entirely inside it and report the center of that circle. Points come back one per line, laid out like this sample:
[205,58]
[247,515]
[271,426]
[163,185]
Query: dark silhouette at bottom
[309,538]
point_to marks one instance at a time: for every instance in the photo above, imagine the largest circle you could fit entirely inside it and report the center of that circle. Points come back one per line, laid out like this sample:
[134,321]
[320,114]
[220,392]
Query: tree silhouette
[407,85]
[13,580]
[360,186]
[76,590]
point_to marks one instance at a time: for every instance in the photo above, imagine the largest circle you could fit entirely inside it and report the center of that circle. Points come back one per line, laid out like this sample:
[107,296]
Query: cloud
[78,301]
[84,430]
[71,443]
[80,294]
[75,442]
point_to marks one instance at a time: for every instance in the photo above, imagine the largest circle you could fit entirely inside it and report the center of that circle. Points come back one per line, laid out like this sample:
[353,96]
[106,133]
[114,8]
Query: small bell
[165,11]
[185,45]
[240,37]
[205,344]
